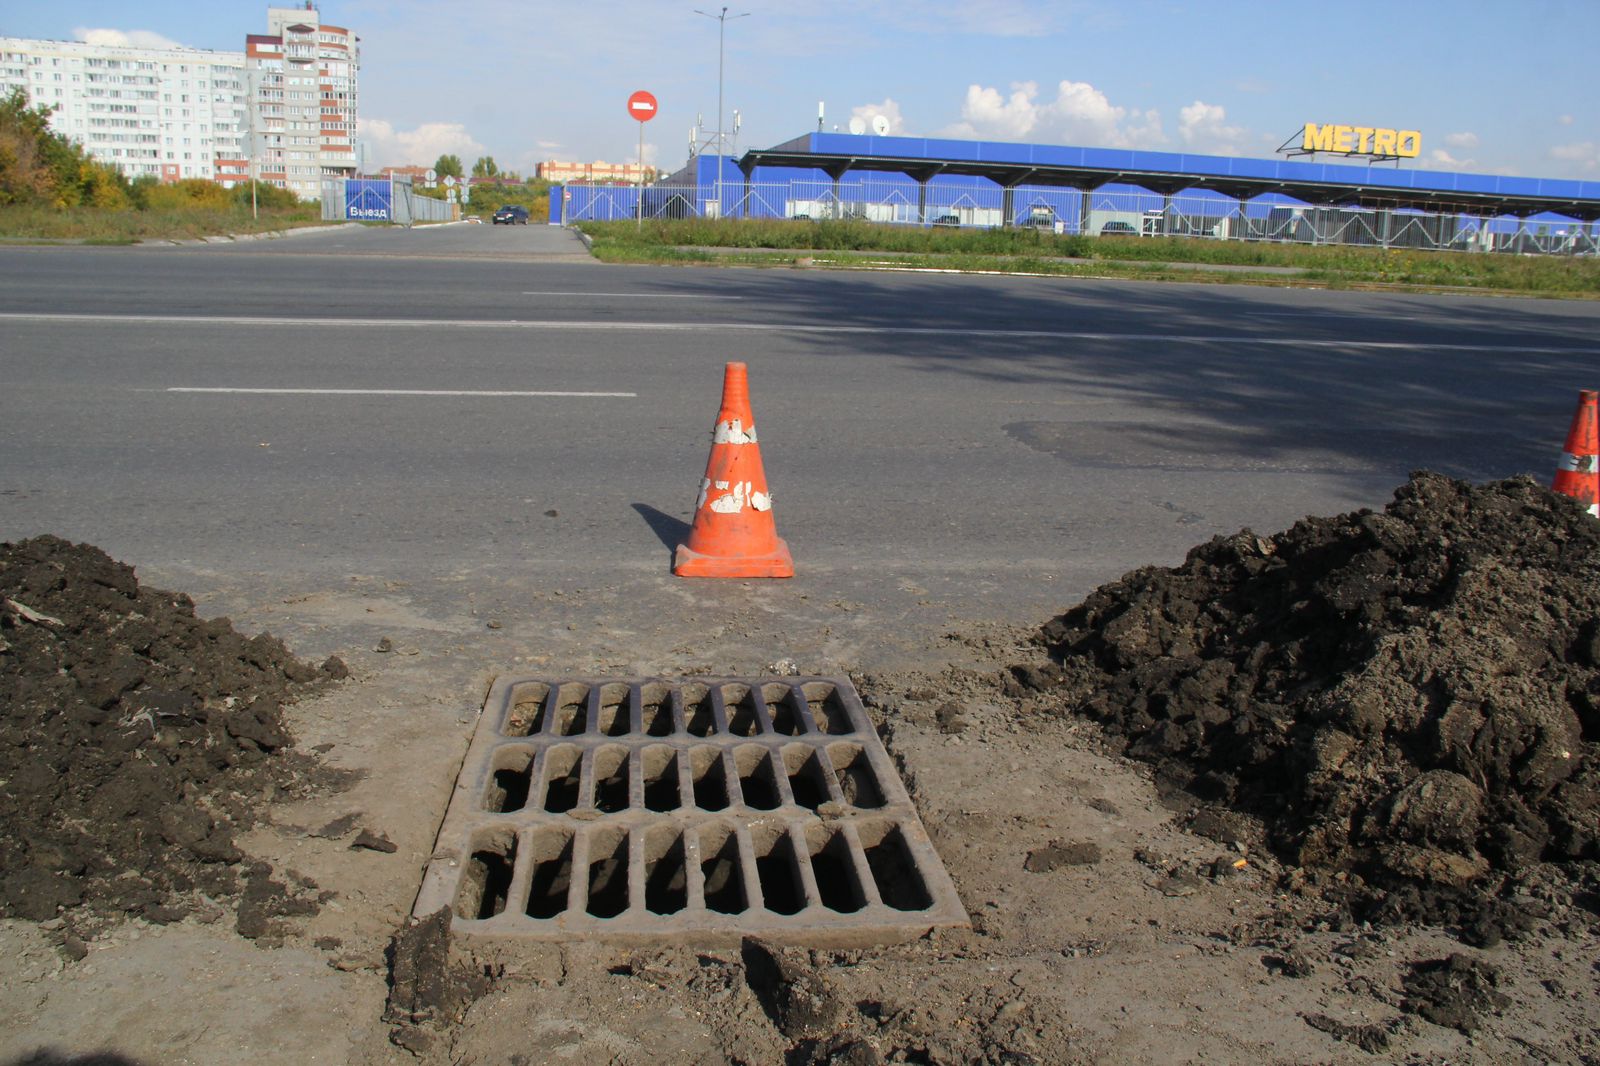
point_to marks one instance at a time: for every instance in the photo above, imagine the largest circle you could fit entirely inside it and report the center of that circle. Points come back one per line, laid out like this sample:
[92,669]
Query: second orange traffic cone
[1578,474]
[734,534]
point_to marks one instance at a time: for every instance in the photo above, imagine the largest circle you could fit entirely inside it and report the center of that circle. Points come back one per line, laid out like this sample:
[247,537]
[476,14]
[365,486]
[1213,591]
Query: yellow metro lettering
[1361,140]
[1318,138]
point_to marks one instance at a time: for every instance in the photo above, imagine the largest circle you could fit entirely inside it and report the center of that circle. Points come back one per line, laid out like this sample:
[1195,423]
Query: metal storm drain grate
[684,810]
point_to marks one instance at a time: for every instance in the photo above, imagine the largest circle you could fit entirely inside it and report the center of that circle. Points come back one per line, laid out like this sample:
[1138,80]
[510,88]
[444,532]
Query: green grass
[849,244]
[96,226]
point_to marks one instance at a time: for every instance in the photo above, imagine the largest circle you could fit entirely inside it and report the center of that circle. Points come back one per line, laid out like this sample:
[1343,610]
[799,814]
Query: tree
[449,164]
[485,167]
[37,165]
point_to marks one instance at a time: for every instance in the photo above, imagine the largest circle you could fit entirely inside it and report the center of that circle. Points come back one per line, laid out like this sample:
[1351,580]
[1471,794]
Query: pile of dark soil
[135,740]
[1409,701]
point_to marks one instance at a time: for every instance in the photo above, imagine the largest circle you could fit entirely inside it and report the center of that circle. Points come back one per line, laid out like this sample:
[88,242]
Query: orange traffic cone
[734,534]
[1578,474]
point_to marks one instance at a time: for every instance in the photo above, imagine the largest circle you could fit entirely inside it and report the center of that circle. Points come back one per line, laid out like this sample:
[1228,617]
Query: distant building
[174,113]
[169,113]
[564,172]
[305,75]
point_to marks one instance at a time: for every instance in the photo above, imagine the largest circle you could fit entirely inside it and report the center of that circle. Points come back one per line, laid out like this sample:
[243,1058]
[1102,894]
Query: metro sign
[642,106]
[1362,140]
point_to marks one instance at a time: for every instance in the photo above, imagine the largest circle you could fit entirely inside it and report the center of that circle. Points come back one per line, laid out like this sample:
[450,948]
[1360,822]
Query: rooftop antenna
[819,116]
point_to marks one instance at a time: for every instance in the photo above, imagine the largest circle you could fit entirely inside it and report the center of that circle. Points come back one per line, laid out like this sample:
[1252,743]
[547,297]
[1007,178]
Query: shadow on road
[669,530]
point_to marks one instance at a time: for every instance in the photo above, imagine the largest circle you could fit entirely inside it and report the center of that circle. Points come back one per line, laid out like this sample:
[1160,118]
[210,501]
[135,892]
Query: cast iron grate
[692,809]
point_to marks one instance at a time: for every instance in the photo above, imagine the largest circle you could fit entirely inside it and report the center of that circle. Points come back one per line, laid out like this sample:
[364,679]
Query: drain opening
[614,710]
[608,874]
[827,708]
[721,871]
[700,719]
[834,870]
[857,783]
[808,781]
[571,714]
[666,878]
[563,773]
[899,883]
[710,779]
[655,710]
[526,716]
[552,875]
[744,718]
[486,882]
[780,700]
[510,784]
[659,766]
[756,779]
[777,871]
[611,779]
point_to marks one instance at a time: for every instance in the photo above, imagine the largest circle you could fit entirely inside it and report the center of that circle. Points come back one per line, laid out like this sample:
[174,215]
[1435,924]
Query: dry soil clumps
[135,740]
[1409,701]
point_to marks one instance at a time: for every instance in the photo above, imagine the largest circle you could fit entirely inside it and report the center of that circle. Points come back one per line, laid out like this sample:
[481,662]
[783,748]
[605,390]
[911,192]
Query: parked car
[1118,229]
[947,220]
[511,215]
[1039,220]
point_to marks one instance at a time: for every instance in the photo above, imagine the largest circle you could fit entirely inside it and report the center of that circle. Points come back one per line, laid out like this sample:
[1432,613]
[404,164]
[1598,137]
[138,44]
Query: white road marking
[643,295]
[245,321]
[1330,315]
[403,392]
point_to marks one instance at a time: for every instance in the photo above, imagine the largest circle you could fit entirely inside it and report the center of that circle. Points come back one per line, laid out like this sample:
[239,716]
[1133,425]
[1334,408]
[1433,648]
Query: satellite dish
[880,125]
[858,125]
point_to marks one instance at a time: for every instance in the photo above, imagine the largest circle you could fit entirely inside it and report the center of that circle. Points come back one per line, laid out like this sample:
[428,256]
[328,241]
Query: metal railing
[380,200]
[1125,211]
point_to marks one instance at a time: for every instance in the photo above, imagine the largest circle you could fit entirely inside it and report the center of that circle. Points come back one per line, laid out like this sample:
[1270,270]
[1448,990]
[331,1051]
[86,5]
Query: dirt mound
[135,739]
[1407,700]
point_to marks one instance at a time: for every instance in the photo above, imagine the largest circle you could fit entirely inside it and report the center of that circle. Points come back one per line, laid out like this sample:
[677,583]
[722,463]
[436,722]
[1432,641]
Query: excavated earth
[1406,704]
[1326,795]
[136,741]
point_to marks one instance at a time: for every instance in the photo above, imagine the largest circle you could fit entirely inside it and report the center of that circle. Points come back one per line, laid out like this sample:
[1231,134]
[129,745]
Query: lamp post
[722,23]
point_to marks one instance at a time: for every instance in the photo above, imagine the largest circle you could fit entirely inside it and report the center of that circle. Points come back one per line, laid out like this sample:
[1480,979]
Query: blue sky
[1494,87]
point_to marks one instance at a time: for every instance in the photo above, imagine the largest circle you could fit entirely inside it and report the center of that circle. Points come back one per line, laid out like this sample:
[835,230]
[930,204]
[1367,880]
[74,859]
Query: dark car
[511,215]
[1118,229]
[947,220]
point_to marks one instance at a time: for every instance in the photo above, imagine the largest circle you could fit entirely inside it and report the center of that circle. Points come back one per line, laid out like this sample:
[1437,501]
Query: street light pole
[722,23]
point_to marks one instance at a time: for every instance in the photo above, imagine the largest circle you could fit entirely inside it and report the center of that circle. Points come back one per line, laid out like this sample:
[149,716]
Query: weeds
[774,242]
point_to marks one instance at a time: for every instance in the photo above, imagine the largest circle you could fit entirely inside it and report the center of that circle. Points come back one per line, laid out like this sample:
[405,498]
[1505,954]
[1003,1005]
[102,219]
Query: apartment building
[304,74]
[167,112]
[192,113]
[553,170]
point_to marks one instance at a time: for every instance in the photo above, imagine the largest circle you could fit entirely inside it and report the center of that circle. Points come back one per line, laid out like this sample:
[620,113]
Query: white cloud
[1205,128]
[889,109]
[1461,140]
[123,38]
[1079,114]
[1565,120]
[391,147]
[548,146]
[1439,159]
[1584,156]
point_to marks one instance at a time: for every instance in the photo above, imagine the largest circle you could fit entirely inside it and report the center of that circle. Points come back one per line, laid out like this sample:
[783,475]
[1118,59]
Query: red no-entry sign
[642,106]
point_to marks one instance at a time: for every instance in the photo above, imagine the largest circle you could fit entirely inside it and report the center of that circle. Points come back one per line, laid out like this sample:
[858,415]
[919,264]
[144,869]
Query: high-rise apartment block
[176,113]
[303,75]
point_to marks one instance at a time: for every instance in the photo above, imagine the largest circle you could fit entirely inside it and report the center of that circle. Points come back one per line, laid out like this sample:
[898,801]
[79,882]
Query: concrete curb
[229,238]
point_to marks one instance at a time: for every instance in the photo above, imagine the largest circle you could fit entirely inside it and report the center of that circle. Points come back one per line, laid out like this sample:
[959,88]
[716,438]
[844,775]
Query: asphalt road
[942,449]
